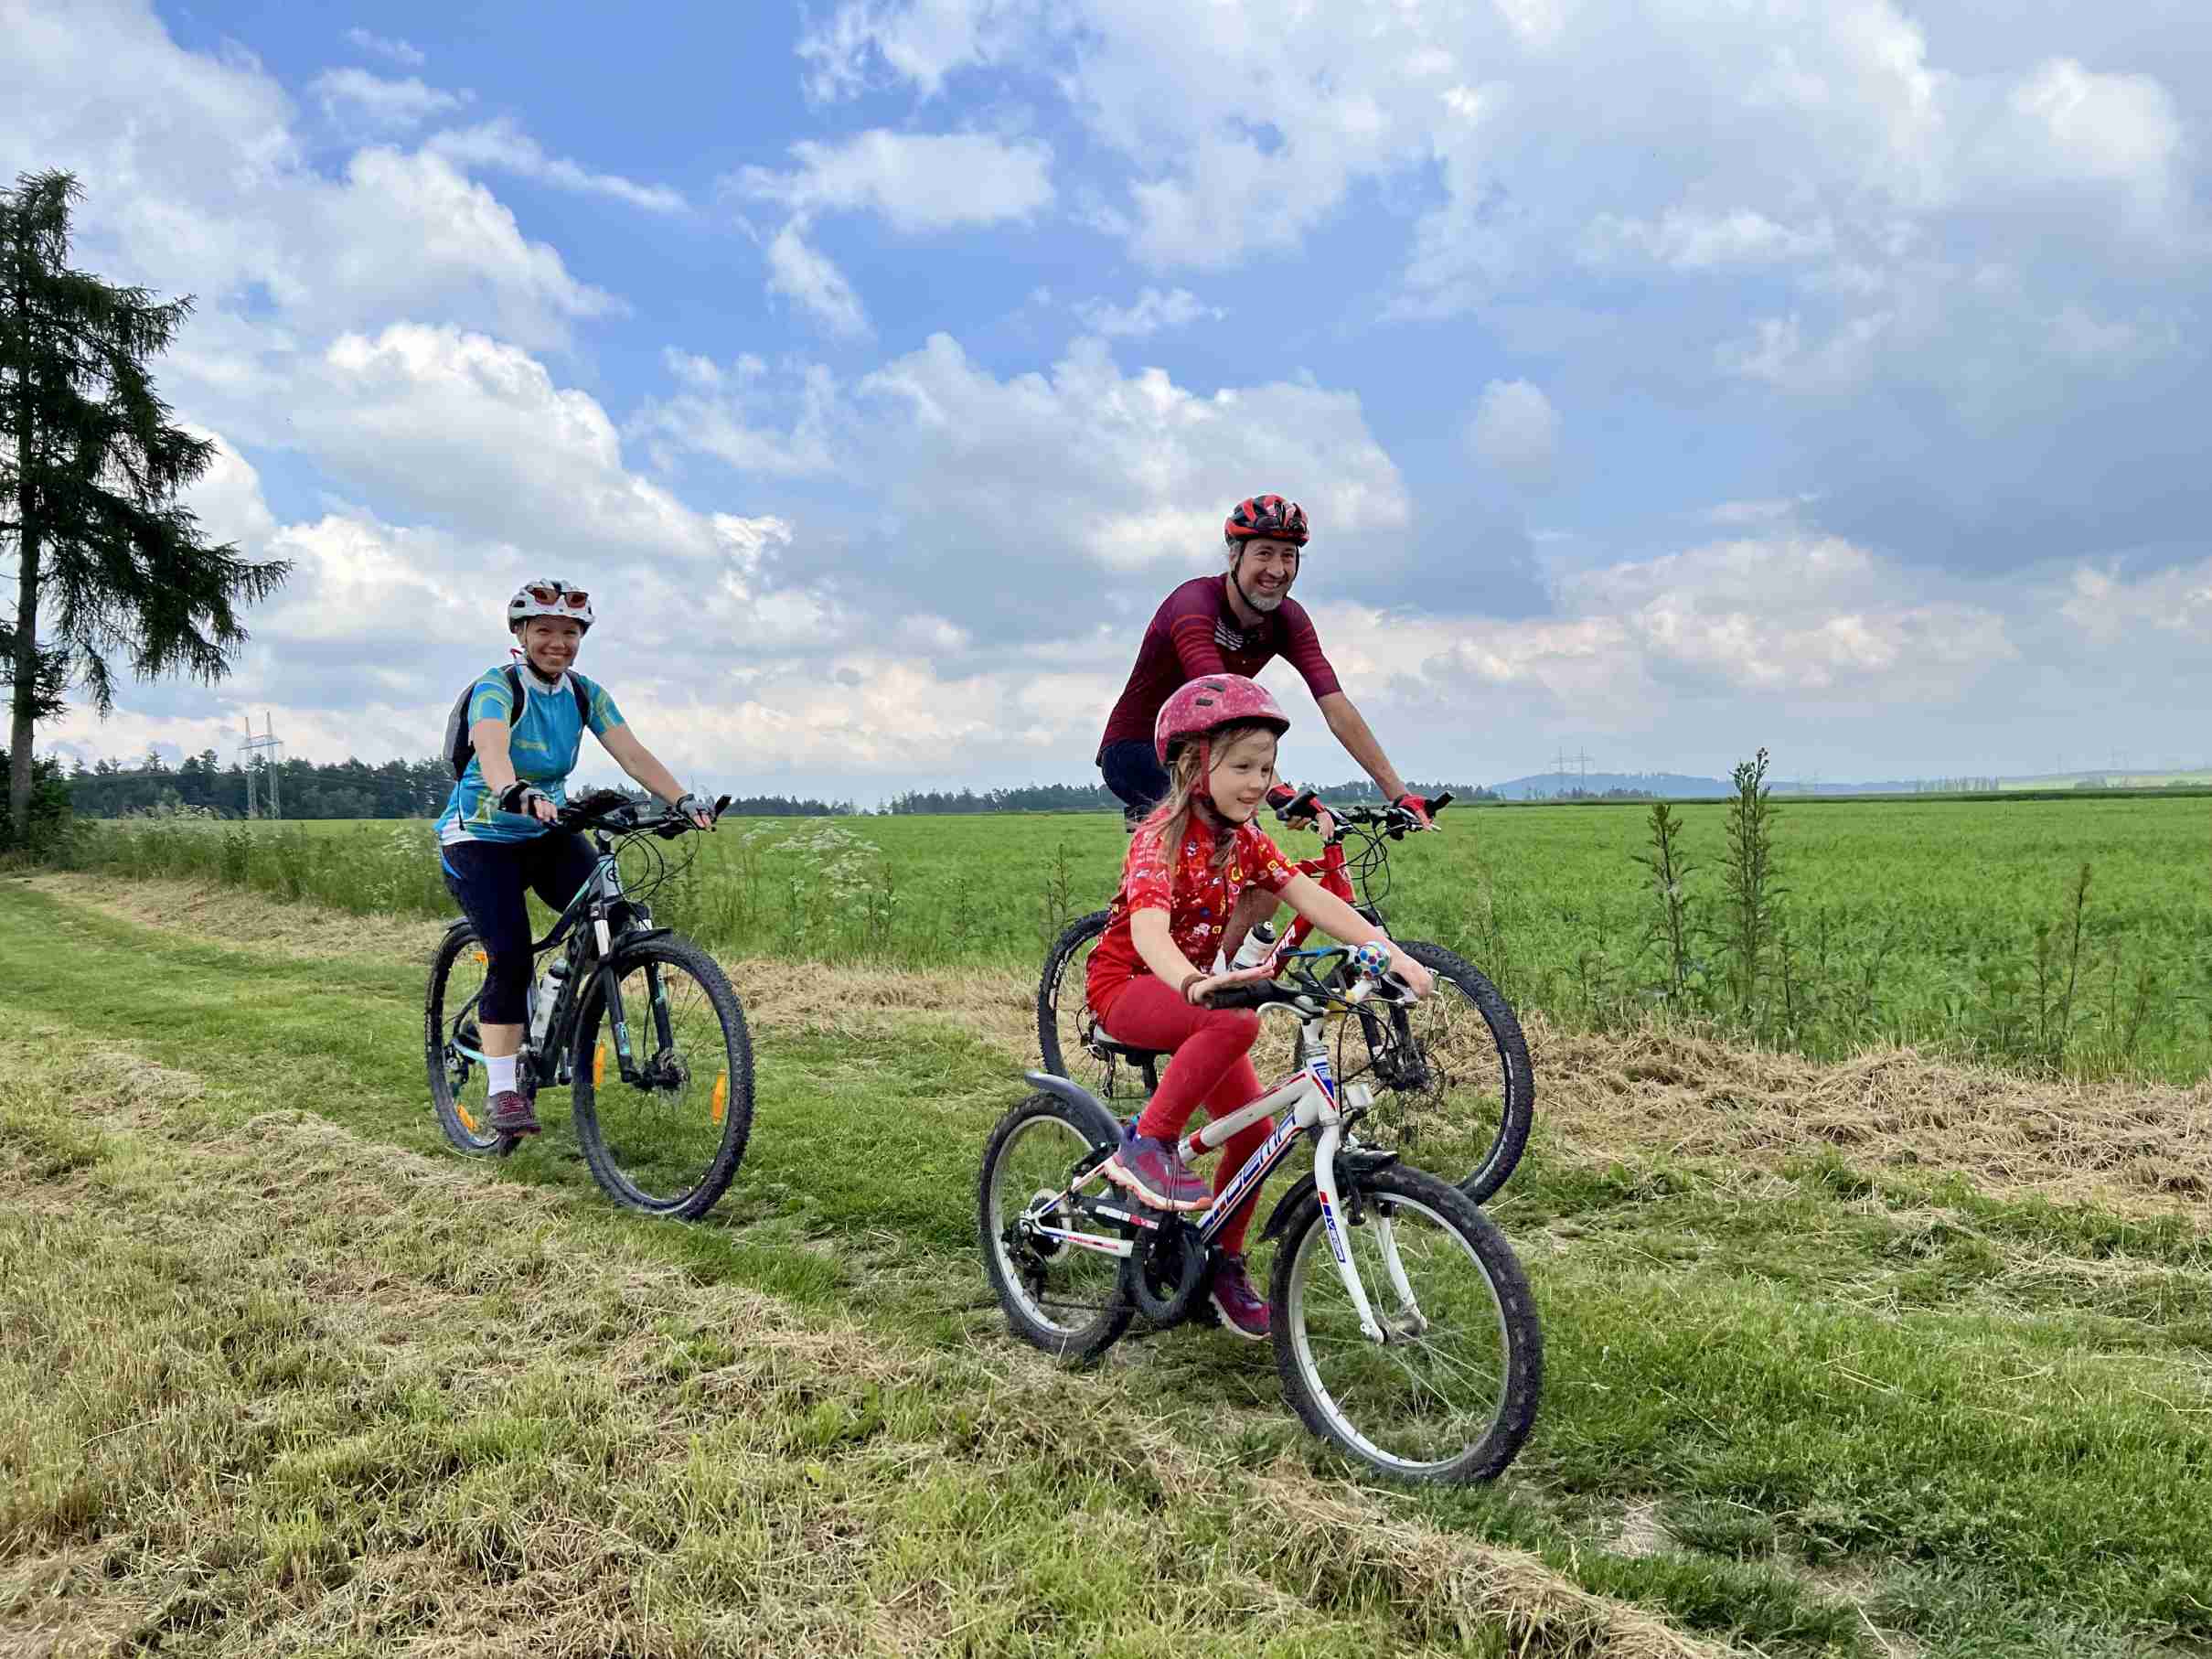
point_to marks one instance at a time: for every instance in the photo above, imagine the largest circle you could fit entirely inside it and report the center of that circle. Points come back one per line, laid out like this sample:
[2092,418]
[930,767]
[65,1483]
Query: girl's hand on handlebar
[1416,977]
[1205,988]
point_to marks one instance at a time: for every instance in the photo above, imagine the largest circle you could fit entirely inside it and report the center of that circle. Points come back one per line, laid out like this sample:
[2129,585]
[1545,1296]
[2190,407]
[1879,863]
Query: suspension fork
[1330,1137]
[610,992]
[1409,1310]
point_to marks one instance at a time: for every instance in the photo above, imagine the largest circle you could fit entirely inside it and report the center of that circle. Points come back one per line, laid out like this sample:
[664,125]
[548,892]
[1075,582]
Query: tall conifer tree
[107,562]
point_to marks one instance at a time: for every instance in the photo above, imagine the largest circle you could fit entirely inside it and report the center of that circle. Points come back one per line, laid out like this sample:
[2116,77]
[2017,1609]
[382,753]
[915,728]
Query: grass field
[1911,922]
[1896,1357]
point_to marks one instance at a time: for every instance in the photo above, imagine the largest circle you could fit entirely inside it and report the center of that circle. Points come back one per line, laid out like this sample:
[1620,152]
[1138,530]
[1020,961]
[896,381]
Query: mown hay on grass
[2134,1147]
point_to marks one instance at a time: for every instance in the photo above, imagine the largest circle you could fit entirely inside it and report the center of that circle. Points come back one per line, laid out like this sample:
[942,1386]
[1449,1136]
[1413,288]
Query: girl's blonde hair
[1171,818]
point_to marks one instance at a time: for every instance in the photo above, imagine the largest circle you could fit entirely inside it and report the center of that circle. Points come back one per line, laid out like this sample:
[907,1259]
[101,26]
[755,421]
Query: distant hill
[1672,785]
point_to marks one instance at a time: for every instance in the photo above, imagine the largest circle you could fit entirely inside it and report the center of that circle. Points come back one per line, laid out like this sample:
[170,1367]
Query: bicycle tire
[655,1134]
[1458,1117]
[1064,1018]
[1501,1315]
[448,1005]
[1028,1286]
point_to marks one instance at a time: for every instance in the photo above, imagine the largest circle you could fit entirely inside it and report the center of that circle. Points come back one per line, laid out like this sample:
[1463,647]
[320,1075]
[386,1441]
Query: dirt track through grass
[1810,1390]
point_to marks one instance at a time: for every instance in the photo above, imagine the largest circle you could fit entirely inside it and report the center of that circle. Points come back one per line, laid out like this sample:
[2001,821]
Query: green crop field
[1957,926]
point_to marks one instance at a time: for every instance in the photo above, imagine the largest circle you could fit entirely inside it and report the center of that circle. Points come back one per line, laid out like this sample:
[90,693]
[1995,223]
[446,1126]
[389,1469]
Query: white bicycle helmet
[549,596]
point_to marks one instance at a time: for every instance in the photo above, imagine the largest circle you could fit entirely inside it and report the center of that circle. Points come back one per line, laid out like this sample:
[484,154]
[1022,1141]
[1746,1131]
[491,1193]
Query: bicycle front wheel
[454,1047]
[667,1137]
[1451,1394]
[1454,1086]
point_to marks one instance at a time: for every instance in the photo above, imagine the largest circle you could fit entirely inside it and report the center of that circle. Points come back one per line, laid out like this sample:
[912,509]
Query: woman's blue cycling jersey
[543,745]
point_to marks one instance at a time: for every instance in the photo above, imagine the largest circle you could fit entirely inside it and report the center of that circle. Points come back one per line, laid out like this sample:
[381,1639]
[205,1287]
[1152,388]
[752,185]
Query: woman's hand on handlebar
[525,800]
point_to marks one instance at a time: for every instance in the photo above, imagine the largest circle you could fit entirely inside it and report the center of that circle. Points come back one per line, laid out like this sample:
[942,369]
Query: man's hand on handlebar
[1301,809]
[1420,808]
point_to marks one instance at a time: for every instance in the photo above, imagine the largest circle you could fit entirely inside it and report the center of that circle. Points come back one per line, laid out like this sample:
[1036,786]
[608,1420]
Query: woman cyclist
[496,835]
[1187,864]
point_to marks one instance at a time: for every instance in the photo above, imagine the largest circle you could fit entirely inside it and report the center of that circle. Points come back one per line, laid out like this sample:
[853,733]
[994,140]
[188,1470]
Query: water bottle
[1257,945]
[548,993]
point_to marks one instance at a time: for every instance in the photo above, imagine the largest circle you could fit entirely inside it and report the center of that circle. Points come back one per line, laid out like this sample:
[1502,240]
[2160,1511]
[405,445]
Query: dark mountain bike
[1454,1069]
[1404,1327]
[662,1128]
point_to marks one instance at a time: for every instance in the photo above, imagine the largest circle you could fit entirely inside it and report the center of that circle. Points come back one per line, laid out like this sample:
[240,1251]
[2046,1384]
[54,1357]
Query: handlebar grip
[1438,804]
[1257,994]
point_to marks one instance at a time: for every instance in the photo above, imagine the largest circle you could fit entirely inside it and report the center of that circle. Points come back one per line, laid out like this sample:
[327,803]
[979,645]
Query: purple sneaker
[1154,1172]
[511,1114]
[1241,1308]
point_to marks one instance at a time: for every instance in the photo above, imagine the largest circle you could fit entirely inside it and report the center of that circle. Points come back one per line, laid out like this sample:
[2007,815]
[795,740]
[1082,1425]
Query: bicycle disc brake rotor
[1162,1276]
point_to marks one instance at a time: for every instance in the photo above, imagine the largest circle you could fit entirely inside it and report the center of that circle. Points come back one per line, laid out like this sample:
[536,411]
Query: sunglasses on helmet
[554,592]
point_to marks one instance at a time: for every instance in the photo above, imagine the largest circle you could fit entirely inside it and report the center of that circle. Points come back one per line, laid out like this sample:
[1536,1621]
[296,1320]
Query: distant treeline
[307,789]
[1097,797]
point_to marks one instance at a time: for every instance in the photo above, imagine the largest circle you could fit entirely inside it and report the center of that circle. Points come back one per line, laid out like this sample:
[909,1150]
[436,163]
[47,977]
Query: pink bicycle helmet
[1208,704]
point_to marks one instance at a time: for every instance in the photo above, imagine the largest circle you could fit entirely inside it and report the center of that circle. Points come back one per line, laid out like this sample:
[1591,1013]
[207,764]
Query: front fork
[1408,1321]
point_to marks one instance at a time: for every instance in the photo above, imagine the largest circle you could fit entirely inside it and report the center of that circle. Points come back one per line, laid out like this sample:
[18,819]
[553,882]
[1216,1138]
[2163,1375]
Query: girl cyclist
[1187,864]
[496,836]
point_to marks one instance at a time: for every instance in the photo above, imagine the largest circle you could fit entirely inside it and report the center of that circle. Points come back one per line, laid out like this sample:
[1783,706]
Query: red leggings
[1211,1067]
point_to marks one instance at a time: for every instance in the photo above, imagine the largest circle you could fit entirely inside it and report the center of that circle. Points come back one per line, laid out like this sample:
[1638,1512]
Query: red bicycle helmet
[1207,704]
[1266,519]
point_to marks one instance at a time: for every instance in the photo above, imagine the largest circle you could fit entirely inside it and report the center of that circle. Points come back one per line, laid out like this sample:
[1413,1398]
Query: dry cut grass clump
[274,1388]
[2133,1147]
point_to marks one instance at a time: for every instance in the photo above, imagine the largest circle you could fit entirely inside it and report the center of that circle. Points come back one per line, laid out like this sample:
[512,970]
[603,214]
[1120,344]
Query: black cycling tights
[489,878]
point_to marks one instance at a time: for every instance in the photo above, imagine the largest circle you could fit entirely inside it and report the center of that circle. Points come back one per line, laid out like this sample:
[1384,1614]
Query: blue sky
[1663,378]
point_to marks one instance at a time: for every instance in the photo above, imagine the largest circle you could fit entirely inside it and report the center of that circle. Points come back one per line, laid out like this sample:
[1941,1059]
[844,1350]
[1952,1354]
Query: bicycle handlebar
[665,822]
[1393,821]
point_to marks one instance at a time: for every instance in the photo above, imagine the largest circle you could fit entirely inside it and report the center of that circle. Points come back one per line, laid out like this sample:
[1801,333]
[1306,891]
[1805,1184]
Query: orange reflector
[468,1122]
[599,1066]
[722,1096]
[482,958]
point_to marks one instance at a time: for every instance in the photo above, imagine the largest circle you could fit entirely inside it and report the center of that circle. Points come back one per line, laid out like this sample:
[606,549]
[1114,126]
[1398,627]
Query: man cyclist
[497,837]
[1237,623]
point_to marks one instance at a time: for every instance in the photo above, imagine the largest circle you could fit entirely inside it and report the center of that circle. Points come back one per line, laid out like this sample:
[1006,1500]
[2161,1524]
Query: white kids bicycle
[1404,1327]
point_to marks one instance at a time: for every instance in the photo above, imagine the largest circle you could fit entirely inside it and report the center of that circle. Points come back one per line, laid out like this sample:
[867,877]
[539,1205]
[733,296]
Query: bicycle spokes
[1437,1382]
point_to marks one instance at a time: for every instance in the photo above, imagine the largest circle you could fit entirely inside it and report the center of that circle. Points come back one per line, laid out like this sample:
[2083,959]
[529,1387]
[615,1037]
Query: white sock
[501,1070]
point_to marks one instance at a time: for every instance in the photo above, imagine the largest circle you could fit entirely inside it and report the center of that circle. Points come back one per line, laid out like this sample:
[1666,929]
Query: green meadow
[1959,927]
[1895,1357]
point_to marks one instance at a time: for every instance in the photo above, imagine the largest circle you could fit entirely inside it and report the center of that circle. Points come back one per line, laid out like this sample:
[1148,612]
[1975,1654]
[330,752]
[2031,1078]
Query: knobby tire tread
[737,1042]
[1488,1457]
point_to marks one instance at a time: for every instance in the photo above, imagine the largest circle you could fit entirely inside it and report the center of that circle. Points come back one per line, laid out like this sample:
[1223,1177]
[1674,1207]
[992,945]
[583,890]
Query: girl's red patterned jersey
[1204,894]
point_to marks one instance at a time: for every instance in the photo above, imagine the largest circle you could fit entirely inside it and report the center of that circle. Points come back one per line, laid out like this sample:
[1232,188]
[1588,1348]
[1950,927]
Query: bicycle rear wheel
[667,1140]
[1058,1296]
[1454,1086]
[452,1042]
[1452,1395]
[1067,1030]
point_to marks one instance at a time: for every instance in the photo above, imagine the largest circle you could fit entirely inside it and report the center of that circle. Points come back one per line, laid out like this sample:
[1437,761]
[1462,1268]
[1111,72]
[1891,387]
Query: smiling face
[1244,771]
[1265,570]
[550,643]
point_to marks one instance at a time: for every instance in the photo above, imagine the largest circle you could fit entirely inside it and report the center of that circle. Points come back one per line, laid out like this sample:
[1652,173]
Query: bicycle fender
[1286,1206]
[1350,1168]
[629,939]
[1074,1094]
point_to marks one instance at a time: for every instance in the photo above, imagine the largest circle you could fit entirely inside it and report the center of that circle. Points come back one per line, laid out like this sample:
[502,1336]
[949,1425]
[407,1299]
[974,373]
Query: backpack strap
[513,684]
